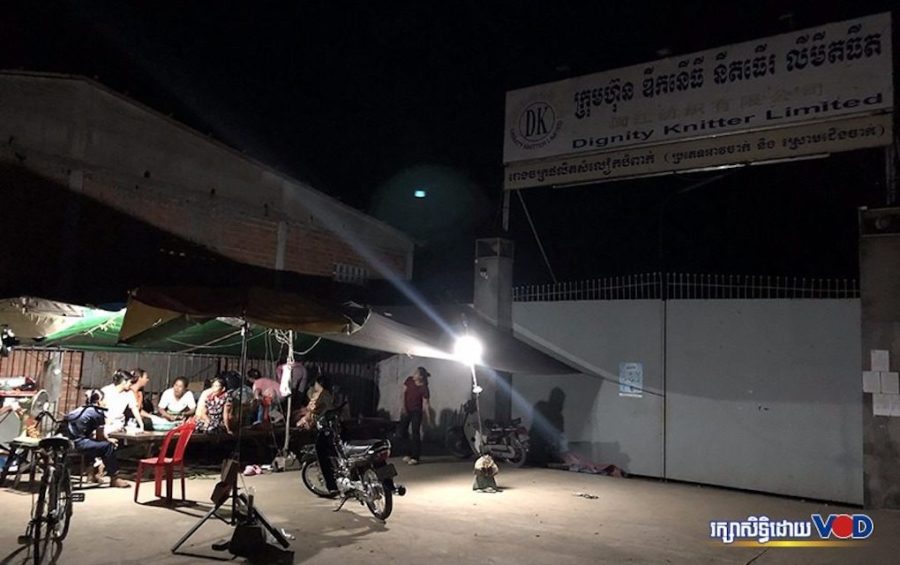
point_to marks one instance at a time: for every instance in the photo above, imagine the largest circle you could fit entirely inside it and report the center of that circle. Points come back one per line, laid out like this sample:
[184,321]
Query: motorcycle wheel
[314,481]
[521,454]
[457,444]
[379,495]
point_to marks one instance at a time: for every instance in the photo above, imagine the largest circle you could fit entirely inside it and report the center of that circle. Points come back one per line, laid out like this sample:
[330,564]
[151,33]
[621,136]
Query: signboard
[631,379]
[824,73]
[759,147]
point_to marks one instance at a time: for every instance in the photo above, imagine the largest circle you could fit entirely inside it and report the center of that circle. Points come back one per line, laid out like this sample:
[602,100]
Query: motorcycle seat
[358,447]
[506,426]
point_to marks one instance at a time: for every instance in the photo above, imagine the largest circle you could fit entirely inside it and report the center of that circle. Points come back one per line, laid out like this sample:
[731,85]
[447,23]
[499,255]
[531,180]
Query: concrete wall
[880,285]
[764,395]
[599,334]
[110,148]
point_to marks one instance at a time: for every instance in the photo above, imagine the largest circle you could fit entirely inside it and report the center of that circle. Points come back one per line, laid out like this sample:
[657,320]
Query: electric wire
[537,238]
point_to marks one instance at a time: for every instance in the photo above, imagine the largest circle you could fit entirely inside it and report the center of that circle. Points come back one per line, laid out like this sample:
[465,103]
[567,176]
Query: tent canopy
[215,336]
[409,330]
[200,330]
[206,320]
[29,317]
[153,311]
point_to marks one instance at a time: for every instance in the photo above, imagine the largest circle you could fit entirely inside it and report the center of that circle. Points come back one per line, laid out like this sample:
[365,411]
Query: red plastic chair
[162,464]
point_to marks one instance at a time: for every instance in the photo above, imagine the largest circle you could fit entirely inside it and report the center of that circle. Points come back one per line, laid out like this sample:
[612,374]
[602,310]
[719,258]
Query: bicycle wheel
[61,505]
[39,534]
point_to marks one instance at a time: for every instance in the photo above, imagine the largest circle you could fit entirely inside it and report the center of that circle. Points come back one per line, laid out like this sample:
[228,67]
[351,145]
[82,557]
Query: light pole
[468,350]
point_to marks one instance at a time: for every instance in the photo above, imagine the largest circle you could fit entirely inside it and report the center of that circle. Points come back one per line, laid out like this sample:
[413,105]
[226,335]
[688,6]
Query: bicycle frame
[51,515]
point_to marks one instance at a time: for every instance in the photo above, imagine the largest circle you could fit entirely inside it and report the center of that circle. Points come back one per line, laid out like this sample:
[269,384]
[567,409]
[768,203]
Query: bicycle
[51,516]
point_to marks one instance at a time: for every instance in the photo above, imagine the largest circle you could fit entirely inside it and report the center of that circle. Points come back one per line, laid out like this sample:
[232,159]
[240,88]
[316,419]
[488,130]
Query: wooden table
[141,438]
[138,438]
[153,439]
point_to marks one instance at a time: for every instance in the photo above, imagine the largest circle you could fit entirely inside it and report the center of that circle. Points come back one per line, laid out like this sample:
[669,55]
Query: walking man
[414,406]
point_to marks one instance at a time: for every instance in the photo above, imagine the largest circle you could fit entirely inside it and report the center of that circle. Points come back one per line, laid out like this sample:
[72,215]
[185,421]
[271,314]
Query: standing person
[116,399]
[214,408]
[298,380]
[85,428]
[177,403]
[414,405]
[267,393]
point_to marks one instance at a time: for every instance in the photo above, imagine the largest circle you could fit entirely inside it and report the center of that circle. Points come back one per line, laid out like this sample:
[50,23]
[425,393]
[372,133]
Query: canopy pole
[244,327]
[289,362]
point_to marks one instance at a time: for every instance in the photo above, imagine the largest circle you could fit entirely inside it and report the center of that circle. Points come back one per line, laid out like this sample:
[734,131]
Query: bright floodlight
[419,193]
[468,350]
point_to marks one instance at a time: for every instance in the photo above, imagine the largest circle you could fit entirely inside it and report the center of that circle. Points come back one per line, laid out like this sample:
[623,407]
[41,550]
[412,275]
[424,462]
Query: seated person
[85,428]
[139,379]
[214,408]
[117,398]
[177,403]
[321,399]
[241,395]
[207,382]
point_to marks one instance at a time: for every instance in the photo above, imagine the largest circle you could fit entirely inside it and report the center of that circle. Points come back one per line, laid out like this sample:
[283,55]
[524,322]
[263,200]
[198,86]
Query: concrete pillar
[493,300]
[493,280]
[880,301]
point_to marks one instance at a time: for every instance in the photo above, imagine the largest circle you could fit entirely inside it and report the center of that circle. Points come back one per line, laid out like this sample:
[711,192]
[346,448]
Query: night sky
[369,101]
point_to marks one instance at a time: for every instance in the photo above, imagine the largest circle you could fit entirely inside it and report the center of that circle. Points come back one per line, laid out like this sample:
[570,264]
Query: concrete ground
[536,519]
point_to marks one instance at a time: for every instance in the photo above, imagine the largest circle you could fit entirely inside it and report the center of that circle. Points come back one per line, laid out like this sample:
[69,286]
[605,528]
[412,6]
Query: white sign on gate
[832,71]
[631,380]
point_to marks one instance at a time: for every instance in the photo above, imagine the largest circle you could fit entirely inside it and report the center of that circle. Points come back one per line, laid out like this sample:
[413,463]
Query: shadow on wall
[547,433]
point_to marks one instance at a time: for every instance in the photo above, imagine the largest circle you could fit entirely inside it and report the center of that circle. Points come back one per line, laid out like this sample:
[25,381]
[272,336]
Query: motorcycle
[361,469]
[502,441]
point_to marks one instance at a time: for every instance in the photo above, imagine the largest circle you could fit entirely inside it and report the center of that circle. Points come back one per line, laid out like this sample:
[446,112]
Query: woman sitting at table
[177,403]
[214,408]
[117,398]
[85,429]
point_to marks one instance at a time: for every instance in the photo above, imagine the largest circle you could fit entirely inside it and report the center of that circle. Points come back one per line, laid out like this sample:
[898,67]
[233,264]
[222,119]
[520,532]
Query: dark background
[368,101]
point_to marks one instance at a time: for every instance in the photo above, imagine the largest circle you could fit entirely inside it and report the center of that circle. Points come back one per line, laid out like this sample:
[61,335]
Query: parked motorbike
[503,441]
[361,469]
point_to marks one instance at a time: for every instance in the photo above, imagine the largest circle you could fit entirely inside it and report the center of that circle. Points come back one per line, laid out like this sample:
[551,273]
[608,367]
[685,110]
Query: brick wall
[231,232]
[30,363]
[122,154]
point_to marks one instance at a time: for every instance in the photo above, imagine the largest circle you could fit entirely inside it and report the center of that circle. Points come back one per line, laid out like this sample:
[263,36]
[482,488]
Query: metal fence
[659,286]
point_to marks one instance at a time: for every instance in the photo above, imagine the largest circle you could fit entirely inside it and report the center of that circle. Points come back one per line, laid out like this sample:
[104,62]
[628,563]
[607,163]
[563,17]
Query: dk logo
[537,126]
